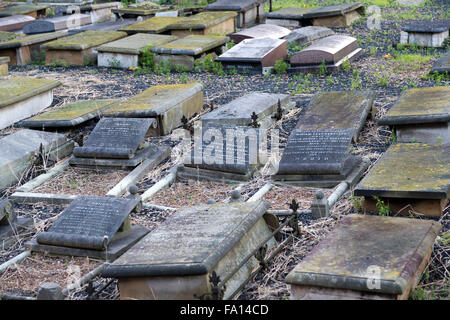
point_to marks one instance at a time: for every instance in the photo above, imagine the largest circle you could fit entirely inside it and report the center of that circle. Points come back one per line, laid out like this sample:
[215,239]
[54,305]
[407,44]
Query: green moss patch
[152,25]
[21,9]
[203,20]
[8,36]
[33,39]
[84,40]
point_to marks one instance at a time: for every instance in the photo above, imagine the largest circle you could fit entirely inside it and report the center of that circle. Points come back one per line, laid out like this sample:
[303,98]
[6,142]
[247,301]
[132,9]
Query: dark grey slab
[57,23]
[289,13]
[427,26]
[115,138]
[9,232]
[234,5]
[88,223]
[442,65]
[7,215]
[104,26]
[335,10]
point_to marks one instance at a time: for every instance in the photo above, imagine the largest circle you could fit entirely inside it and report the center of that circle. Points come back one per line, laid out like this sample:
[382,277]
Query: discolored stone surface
[427,26]
[334,10]
[14,22]
[24,9]
[70,115]
[57,23]
[289,13]
[104,26]
[366,257]
[261,31]
[249,11]
[4,66]
[202,20]
[31,40]
[308,35]
[7,36]
[84,40]
[152,25]
[442,65]
[136,43]
[191,45]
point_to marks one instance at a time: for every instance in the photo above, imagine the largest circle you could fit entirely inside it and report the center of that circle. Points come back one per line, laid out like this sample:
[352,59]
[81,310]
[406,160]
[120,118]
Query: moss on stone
[136,43]
[84,40]
[8,36]
[202,20]
[21,9]
[152,25]
[195,43]
[33,39]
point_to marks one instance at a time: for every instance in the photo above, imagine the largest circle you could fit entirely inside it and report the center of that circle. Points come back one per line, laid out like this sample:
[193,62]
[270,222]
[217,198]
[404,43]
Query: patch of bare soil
[281,196]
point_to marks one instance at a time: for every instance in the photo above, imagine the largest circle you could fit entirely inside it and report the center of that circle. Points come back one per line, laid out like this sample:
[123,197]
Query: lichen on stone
[16,89]
[84,40]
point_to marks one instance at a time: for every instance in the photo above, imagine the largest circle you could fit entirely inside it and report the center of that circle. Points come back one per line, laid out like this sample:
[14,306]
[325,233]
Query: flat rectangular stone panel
[84,40]
[191,45]
[330,49]
[334,10]
[57,23]
[307,35]
[23,9]
[88,222]
[442,65]
[15,22]
[31,40]
[103,26]
[202,20]
[368,254]
[409,170]
[4,60]
[173,13]
[7,36]
[289,13]
[70,115]
[234,5]
[136,43]
[420,105]
[152,25]
[427,26]
[116,138]
[261,31]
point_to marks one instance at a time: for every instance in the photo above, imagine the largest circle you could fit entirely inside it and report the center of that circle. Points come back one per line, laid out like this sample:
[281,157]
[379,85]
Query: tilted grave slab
[204,23]
[96,227]
[421,115]
[20,149]
[4,66]
[329,52]
[341,15]
[152,25]
[79,49]
[254,55]
[166,103]
[249,12]
[31,10]
[21,49]
[124,53]
[118,142]
[261,31]
[308,35]
[239,111]
[182,258]
[10,224]
[289,17]
[70,115]
[183,53]
[442,65]
[425,33]
[57,23]
[409,176]
[366,257]
[15,22]
[23,97]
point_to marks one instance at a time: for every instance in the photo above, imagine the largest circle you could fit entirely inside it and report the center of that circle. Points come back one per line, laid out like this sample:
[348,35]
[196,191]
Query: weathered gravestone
[167,103]
[22,97]
[10,225]
[329,52]
[183,53]
[204,23]
[21,49]
[31,10]
[79,49]
[15,22]
[425,33]
[186,256]
[421,115]
[289,17]
[134,12]
[124,53]
[4,66]
[442,65]
[254,55]
[57,23]
[341,15]
[409,176]
[70,115]
[20,150]
[7,36]
[97,227]
[308,35]
[366,257]
[249,12]
[103,26]
[100,12]
[174,13]
[261,31]
[152,25]
[239,111]
[118,142]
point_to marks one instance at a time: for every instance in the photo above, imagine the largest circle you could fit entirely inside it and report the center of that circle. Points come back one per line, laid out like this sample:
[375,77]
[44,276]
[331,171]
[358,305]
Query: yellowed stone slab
[84,40]
[136,43]
[191,45]
[152,25]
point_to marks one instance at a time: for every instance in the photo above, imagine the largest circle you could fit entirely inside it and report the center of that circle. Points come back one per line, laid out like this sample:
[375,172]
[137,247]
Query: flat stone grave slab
[10,225]
[70,115]
[421,115]
[183,53]
[425,33]
[100,12]
[31,10]
[14,22]
[204,23]
[167,103]
[96,227]
[152,25]
[19,149]
[366,257]
[21,49]
[249,12]
[442,65]
[179,257]
[4,66]
[254,55]
[57,23]
[22,97]
[120,142]
[134,12]
[104,26]
[8,36]
[332,51]
[409,176]
[341,15]
[79,49]
[306,36]
[239,111]
[289,17]
[124,53]
[261,31]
